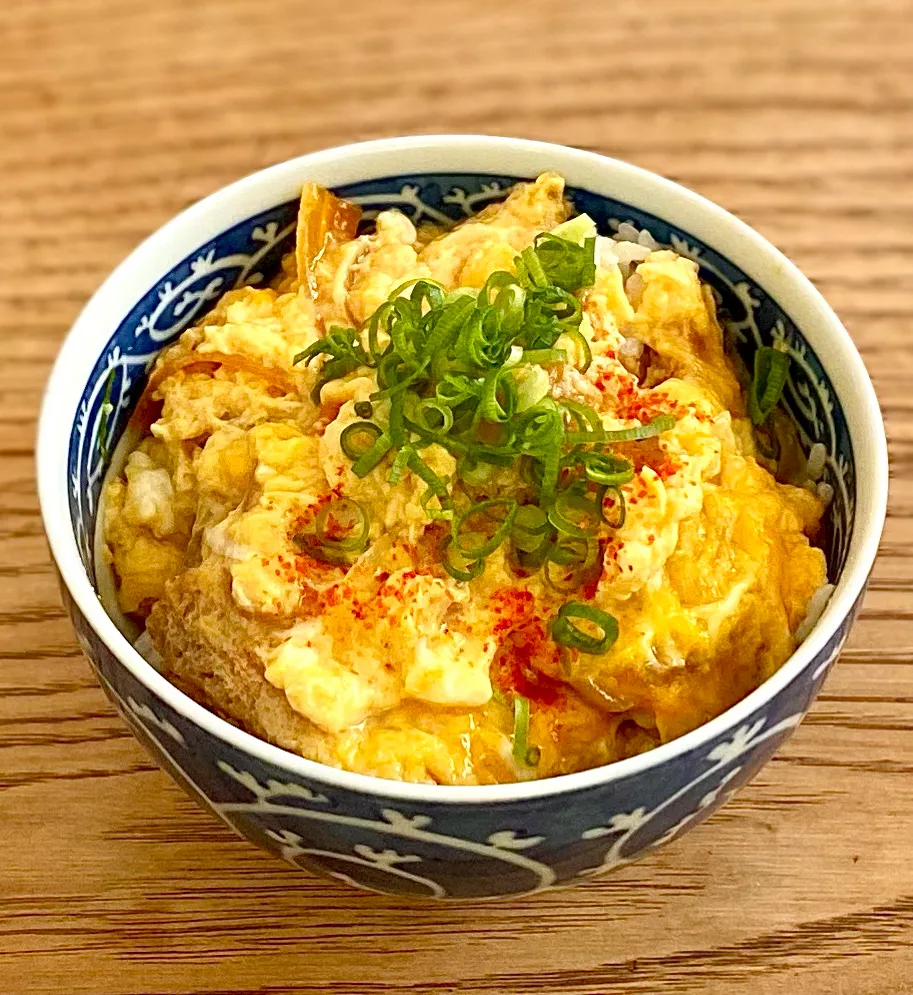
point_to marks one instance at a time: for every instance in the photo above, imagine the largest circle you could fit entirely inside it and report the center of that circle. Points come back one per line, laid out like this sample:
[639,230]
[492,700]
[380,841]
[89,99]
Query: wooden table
[795,114]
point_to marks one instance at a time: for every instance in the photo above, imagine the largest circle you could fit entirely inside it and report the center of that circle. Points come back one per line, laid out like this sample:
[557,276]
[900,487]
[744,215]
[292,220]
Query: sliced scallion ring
[583,416]
[499,397]
[575,515]
[566,633]
[539,429]
[400,463]
[771,371]
[570,562]
[573,342]
[539,356]
[656,426]
[476,542]
[435,416]
[526,562]
[606,469]
[549,484]
[617,507]
[458,566]
[344,523]
[523,754]
[340,533]
[358,438]
[473,472]
[444,509]
[529,269]
[371,457]
[530,528]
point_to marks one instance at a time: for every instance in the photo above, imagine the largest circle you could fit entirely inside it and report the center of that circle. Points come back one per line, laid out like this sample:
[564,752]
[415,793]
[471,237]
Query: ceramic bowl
[426,840]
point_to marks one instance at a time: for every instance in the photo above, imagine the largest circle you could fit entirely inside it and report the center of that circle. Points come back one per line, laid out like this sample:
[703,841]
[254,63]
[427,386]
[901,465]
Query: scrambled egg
[390,666]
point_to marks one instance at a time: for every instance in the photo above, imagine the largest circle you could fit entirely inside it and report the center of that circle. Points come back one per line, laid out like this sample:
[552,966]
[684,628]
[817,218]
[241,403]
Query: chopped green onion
[656,426]
[346,515]
[458,566]
[570,562]
[566,263]
[566,633]
[454,388]
[340,344]
[530,527]
[583,416]
[573,341]
[575,515]
[393,376]
[561,304]
[525,563]
[549,485]
[498,281]
[473,543]
[570,551]
[340,534]
[473,472]
[397,420]
[465,370]
[543,356]
[369,459]
[576,230]
[344,353]
[444,510]
[771,371]
[423,289]
[435,416]
[603,468]
[532,386]
[379,322]
[523,754]
[499,397]
[358,438]
[493,455]
[437,488]
[616,496]
[508,307]
[540,429]
[453,317]
[529,269]
[400,463]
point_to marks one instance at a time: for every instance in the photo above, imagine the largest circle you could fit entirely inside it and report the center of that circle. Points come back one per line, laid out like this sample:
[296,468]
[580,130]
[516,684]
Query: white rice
[147,651]
[816,457]
[825,492]
[816,605]
[628,233]
[630,252]
[634,289]
[631,246]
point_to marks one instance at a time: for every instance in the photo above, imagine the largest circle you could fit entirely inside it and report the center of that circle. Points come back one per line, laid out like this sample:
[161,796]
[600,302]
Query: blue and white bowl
[425,840]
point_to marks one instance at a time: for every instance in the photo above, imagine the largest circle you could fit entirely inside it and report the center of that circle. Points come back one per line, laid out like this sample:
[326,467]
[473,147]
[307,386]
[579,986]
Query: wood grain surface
[795,114]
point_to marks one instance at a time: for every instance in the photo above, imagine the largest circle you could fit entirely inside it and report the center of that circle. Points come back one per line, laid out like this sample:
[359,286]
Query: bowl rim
[336,166]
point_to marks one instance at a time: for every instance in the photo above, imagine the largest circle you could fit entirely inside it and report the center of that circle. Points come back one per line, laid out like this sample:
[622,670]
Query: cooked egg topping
[462,607]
